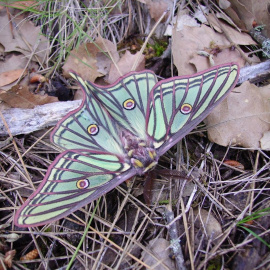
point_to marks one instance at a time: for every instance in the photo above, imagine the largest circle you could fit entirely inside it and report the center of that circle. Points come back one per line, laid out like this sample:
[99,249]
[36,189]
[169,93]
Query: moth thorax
[143,159]
[141,153]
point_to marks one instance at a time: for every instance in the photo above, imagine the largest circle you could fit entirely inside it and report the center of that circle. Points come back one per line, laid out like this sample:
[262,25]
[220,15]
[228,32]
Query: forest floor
[205,205]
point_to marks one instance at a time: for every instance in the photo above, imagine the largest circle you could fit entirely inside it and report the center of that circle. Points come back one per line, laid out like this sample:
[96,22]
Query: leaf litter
[125,229]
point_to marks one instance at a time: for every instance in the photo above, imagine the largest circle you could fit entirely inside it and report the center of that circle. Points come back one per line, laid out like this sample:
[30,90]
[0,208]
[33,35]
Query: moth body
[141,154]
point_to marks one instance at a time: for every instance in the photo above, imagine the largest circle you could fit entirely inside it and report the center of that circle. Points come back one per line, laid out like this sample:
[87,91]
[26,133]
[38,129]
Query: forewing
[73,180]
[178,104]
[88,127]
[126,99]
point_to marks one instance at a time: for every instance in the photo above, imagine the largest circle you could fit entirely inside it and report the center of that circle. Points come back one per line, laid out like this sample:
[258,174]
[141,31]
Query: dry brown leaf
[21,97]
[210,224]
[237,37]
[188,42]
[22,4]
[236,201]
[158,7]
[232,15]
[125,65]
[159,247]
[10,76]
[25,35]
[211,19]
[234,163]
[4,106]
[182,19]
[91,60]
[226,56]
[265,141]
[13,61]
[242,118]
[224,4]
[9,257]
[82,60]
[253,10]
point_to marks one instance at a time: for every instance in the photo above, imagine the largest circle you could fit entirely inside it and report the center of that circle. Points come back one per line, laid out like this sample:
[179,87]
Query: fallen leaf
[22,4]
[9,257]
[236,202]
[232,16]
[91,60]
[158,7]
[82,60]
[224,4]
[235,164]
[253,10]
[242,118]
[20,97]
[200,14]
[160,252]
[211,20]
[125,65]
[10,76]
[225,56]
[184,19]
[249,257]
[14,61]
[210,224]
[3,106]
[265,141]
[239,38]
[152,193]
[27,38]
[190,40]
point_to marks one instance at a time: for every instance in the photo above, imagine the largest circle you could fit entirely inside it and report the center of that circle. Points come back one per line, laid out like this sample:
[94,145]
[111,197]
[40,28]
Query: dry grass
[123,224]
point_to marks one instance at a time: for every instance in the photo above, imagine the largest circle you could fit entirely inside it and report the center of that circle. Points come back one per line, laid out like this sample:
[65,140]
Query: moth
[120,131]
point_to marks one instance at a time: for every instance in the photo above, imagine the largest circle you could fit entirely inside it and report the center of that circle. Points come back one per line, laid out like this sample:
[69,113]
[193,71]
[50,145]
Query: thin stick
[175,242]
[10,23]
[187,235]
[252,185]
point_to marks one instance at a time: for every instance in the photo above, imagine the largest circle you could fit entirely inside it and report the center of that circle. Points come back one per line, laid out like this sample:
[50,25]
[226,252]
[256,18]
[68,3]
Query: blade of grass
[83,237]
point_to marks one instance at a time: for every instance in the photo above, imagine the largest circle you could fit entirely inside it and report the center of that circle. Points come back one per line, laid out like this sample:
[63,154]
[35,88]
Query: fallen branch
[24,121]
[174,239]
[255,74]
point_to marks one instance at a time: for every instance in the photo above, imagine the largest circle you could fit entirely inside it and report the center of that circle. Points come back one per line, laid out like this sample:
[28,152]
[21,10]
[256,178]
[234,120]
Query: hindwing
[74,179]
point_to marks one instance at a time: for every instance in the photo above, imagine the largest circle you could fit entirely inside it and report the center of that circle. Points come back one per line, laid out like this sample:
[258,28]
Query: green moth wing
[127,99]
[88,127]
[74,179]
[178,104]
